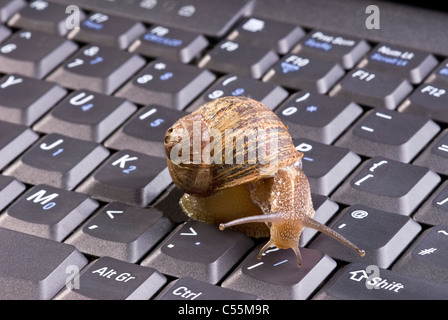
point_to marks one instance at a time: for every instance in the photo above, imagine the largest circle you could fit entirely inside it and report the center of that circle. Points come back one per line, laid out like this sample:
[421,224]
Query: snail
[236,163]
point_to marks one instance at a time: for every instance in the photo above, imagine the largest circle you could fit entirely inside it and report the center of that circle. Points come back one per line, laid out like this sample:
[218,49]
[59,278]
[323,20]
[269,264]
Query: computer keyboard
[88,209]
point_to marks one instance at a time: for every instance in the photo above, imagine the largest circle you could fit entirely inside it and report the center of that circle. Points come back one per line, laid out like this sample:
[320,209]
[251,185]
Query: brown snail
[238,167]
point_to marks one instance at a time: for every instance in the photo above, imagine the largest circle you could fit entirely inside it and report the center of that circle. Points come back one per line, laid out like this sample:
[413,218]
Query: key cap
[9,7]
[440,75]
[167,83]
[387,185]
[277,277]
[121,231]
[40,270]
[435,210]
[58,161]
[238,57]
[346,51]
[145,131]
[427,258]
[14,139]
[86,115]
[317,117]
[389,134]
[200,251]
[382,235]
[34,53]
[326,166]
[48,212]
[98,68]
[10,189]
[305,72]
[168,203]
[107,30]
[271,95]
[435,156]
[364,282]
[275,35]
[170,43]
[128,176]
[4,33]
[189,289]
[27,108]
[373,89]
[413,65]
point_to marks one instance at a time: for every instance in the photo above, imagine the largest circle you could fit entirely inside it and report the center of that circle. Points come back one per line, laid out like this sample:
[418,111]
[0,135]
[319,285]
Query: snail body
[235,161]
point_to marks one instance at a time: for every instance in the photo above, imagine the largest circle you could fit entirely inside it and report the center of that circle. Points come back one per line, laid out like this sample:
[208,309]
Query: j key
[48,212]
[440,75]
[170,43]
[34,53]
[107,30]
[389,134]
[373,89]
[382,235]
[200,251]
[413,65]
[305,72]
[238,57]
[27,108]
[435,210]
[271,95]
[276,35]
[111,279]
[325,165]
[9,7]
[99,68]
[57,160]
[10,189]
[277,277]
[167,83]
[317,117]
[187,288]
[427,258]
[359,281]
[145,131]
[435,156]
[86,115]
[43,16]
[40,270]
[346,51]
[388,185]
[121,231]
[14,139]
[130,177]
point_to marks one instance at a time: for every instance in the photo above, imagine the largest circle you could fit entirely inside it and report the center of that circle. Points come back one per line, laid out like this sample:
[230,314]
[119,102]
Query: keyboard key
[98,68]
[435,156]
[359,281]
[111,279]
[58,161]
[168,203]
[9,7]
[48,212]
[427,258]
[326,166]
[4,33]
[86,115]
[34,53]
[277,277]
[435,210]
[440,75]
[14,139]
[40,270]
[27,108]
[373,89]
[382,235]
[238,57]
[387,185]
[10,189]
[170,43]
[167,83]
[270,94]
[382,132]
[305,72]
[145,131]
[317,117]
[107,30]
[121,231]
[130,177]
[200,251]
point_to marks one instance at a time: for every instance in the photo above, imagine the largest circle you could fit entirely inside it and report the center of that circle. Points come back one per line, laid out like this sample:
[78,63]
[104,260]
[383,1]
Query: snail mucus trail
[237,165]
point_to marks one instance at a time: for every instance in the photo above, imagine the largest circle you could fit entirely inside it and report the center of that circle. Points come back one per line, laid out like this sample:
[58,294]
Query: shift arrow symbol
[111,213]
[193,233]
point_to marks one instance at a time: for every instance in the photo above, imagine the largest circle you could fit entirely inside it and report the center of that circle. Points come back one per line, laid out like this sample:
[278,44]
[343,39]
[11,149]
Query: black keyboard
[88,89]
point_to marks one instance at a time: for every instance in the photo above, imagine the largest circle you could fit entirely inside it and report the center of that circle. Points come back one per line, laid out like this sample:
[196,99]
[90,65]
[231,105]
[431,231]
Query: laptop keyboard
[88,209]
